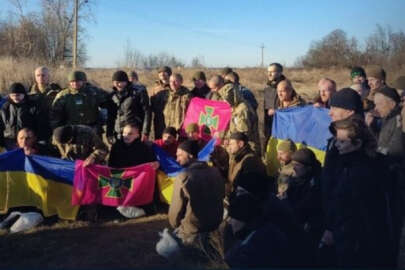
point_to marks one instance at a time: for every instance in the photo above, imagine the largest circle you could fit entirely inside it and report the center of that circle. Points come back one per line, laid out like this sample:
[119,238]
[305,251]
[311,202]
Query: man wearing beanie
[376,77]
[128,106]
[197,207]
[242,159]
[201,88]
[284,152]
[233,77]
[78,104]
[19,112]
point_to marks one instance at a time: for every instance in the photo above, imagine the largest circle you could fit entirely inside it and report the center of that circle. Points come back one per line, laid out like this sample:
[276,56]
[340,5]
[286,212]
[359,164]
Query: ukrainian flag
[169,168]
[43,182]
[306,126]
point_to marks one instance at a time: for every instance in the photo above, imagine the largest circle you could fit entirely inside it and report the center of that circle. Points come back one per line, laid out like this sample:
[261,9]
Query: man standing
[275,75]
[376,80]
[200,85]
[78,104]
[233,77]
[163,83]
[327,88]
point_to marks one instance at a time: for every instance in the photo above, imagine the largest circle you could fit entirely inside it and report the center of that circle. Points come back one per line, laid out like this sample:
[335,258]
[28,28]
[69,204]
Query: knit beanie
[287,146]
[17,88]
[376,72]
[391,93]
[63,134]
[166,69]
[199,75]
[192,127]
[399,83]
[239,136]
[348,99]
[304,156]
[77,75]
[225,71]
[357,71]
[191,147]
[170,130]
[120,76]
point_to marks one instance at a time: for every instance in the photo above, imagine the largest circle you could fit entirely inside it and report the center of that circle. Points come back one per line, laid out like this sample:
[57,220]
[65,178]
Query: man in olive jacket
[197,203]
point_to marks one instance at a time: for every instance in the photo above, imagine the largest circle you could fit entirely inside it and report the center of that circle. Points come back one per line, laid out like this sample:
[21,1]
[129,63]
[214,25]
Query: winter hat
[225,71]
[166,69]
[399,83]
[17,88]
[63,134]
[120,76]
[391,93]
[348,99]
[170,130]
[192,127]
[304,156]
[239,136]
[357,71]
[191,147]
[199,75]
[376,72]
[287,146]
[77,75]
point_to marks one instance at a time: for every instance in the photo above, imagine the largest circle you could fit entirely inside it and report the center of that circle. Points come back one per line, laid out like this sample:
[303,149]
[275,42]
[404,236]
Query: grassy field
[131,243]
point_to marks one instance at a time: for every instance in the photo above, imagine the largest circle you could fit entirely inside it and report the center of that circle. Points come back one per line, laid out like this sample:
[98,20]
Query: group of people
[346,213]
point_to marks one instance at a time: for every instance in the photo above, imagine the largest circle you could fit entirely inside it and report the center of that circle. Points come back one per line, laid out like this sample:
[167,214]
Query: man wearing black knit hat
[196,208]
[345,103]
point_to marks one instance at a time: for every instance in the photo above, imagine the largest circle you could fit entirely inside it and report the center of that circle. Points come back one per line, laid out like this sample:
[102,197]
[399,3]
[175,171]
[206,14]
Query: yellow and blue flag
[43,182]
[306,126]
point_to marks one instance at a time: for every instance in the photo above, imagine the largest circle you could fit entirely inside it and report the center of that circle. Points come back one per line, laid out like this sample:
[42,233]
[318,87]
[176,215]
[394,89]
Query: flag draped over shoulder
[98,184]
[307,126]
[169,168]
[213,114]
[43,182]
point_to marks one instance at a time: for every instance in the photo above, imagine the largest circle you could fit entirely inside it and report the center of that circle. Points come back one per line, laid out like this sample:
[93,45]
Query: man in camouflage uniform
[76,142]
[178,98]
[284,153]
[244,118]
[78,104]
[42,92]
[163,83]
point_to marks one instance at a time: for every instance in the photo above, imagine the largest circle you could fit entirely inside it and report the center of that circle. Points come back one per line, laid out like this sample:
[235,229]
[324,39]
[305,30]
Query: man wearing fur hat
[78,104]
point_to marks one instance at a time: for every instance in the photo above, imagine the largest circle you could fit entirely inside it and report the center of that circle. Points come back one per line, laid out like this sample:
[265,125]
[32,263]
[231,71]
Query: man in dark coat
[17,113]
[357,213]
[201,88]
[275,75]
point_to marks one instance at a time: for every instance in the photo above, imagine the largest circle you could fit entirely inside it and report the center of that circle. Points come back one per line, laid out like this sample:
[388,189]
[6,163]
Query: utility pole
[262,47]
[75,35]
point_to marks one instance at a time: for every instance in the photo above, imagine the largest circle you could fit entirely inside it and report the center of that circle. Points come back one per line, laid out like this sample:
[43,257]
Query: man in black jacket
[275,75]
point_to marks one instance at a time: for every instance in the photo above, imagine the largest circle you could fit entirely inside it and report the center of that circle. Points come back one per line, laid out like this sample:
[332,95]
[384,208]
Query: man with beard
[275,75]
[168,142]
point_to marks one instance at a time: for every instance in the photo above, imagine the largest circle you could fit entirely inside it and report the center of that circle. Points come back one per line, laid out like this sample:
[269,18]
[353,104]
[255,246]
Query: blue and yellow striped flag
[306,125]
[43,182]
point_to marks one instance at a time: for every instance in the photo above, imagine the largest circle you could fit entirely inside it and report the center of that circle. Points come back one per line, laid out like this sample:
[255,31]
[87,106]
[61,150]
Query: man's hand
[111,140]
[270,112]
[369,118]
[89,161]
[317,105]
[327,238]
[155,165]
[144,138]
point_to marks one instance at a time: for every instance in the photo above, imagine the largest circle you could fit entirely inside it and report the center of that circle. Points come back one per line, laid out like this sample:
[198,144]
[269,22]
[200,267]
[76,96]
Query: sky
[228,33]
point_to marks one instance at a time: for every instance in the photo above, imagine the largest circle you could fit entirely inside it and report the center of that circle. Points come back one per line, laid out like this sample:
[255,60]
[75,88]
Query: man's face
[299,169]
[273,73]
[325,91]
[163,76]
[26,139]
[375,83]
[343,143]
[175,83]
[120,85]
[130,134]
[284,157]
[193,135]
[358,79]
[133,79]
[183,158]
[337,113]
[235,145]
[199,83]
[212,85]
[383,105]
[168,138]
[41,77]
[76,84]
[284,92]
[16,97]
